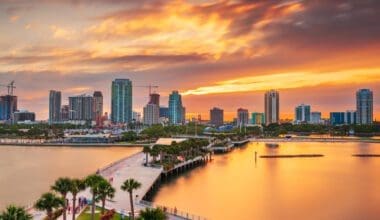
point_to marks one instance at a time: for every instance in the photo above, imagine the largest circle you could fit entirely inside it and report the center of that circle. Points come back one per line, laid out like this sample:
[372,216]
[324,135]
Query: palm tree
[146,150]
[62,186]
[13,212]
[153,214]
[105,190]
[129,185]
[93,181]
[48,202]
[76,186]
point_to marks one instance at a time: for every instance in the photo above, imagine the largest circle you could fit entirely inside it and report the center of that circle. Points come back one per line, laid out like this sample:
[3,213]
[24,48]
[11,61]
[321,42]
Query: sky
[217,53]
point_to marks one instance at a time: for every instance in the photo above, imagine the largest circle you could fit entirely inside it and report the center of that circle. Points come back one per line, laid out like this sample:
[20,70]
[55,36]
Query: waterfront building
[151,114]
[216,116]
[8,105]
[350,117]
[257,118]
[55,99]
[175,108]
[242,117]
[337,118]
[23,116]
[65,110]
[98,107]
[364,106]
[316,117]
[81,108]
[302,114]
[154,98]
[272,107]
[121,101]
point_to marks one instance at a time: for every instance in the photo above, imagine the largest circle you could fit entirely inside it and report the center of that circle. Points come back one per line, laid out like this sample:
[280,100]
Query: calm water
[27,172]
[337,186]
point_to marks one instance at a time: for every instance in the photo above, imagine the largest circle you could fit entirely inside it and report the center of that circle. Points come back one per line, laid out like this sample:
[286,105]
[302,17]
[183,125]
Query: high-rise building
[337,118]
[8,105]
[98,107]
[175,108]
[164,112]
[136,116]
[65,110]
[151,114]
[242,117]
[257,118]
[81,108]
[121,101]
[272,107]
[154,98]
[364,106]
[302,114]
[216,116]
[316,117]
[55,99]
[23,116]
[350,117]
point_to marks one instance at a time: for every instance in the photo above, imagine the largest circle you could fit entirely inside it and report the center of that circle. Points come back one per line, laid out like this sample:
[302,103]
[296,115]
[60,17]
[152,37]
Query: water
[27,172]
[232,186]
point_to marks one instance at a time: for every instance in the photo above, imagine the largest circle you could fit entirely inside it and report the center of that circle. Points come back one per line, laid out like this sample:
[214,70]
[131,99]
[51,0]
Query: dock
[366,155]
[291,156]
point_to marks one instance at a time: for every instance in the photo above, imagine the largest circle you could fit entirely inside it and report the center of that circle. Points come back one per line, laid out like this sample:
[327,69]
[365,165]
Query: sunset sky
[223,53]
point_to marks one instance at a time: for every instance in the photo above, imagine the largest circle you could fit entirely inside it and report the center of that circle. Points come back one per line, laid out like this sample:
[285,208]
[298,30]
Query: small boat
[272,145]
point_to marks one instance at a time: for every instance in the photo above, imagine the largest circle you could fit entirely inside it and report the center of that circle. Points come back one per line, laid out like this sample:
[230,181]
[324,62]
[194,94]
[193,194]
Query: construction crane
[10,87]
[150,86]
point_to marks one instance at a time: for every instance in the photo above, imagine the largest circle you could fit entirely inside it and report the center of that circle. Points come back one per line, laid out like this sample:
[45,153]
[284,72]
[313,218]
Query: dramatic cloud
[207,49]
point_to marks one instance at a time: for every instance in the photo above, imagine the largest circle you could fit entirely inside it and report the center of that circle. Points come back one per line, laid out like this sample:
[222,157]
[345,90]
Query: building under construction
[8,103]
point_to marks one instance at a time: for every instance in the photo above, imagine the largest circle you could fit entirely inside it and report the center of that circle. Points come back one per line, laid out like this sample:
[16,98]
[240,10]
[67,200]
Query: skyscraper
[65,110]
[175,108]
[8,105]
[316,118]
[302,114]
[364,106]
[272,107]
[121,101]
[242,117]
[55,99]
[98,107]
[81,108]
[154,98]
[216,116]
[337,118]
[151,114]
[350,117]
[257,118]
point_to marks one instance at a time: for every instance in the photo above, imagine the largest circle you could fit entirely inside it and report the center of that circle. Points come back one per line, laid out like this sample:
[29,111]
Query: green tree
[62,186]
[105,190]
[129,136]
[146,150]
[93,181]
[15,213]
[152,214]
[129,185]
[76,186]
[48,202]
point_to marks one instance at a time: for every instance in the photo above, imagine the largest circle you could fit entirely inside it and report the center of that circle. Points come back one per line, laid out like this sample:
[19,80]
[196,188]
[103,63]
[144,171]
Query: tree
[62,186]
[15,213]
[93,181]
[129,185]
[146,150]
[152,214]
[105,190]
[76,186]
[129,136]
[48,202]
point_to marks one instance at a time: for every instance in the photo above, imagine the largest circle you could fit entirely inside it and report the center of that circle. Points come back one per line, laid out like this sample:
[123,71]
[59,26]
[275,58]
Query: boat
[272,145]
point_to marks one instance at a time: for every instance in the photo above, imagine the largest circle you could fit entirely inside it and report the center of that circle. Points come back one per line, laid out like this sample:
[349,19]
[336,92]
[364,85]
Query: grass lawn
[86,214]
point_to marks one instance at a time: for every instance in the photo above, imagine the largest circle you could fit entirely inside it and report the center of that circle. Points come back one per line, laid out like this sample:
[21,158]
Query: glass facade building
[364,106]
[121,101]
[175,108]
[257,118]
[302,114]
[337,118]
[55,99]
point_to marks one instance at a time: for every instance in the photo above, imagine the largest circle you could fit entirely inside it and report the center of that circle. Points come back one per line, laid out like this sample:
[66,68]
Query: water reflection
[336,186]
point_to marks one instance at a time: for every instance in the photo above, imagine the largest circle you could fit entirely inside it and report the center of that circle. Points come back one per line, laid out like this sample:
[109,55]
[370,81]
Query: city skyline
[216,53]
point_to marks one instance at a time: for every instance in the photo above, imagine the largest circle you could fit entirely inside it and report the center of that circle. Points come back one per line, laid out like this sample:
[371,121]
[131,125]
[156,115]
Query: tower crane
[150,86]
[11,86]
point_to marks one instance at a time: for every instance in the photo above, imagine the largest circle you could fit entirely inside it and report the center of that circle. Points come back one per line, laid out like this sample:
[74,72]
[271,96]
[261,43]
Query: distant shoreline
[75,144]
[321,140]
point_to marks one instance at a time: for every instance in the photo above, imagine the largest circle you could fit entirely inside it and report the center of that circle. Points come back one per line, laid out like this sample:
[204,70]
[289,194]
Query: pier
[291,156]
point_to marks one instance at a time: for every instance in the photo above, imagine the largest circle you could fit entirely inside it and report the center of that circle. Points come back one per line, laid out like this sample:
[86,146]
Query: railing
[173,211]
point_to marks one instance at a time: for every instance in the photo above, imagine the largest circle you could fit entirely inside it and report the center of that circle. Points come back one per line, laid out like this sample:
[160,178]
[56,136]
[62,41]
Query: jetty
[291,155]
[366,155]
